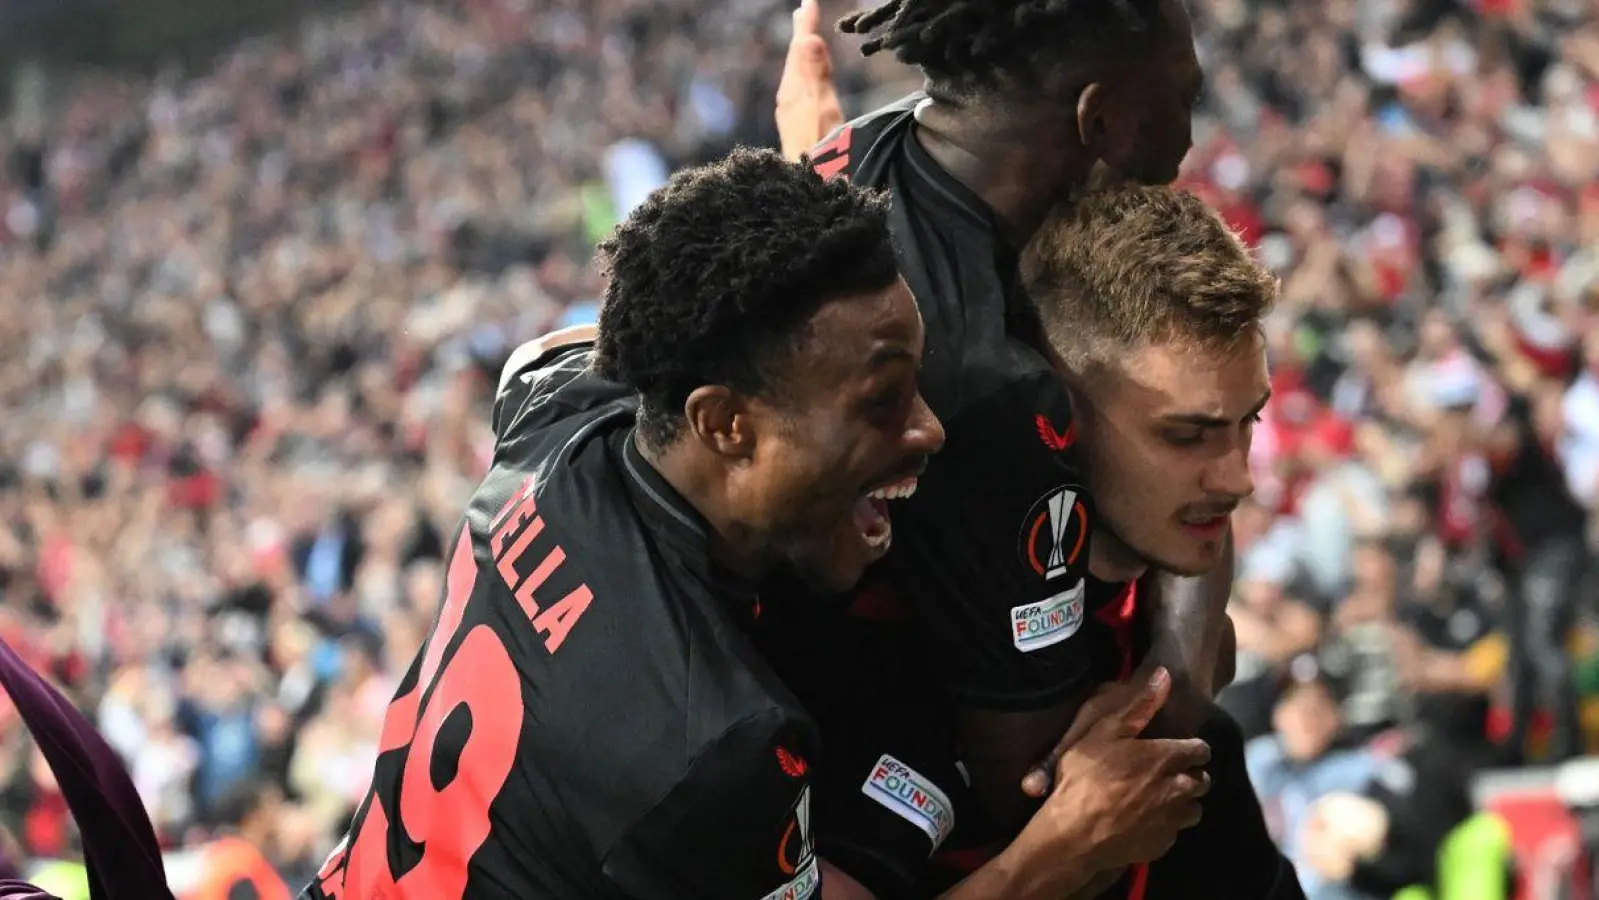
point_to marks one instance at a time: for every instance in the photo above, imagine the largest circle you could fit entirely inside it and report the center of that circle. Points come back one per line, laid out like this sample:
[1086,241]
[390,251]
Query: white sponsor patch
[803,886]
[911,797]
[1047,622]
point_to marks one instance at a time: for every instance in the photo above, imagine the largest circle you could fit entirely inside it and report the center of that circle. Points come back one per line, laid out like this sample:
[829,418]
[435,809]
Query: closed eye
[1197,437]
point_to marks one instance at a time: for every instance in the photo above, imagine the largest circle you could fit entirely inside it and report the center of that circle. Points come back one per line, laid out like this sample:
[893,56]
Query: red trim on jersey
[1122,617]
[1140,885]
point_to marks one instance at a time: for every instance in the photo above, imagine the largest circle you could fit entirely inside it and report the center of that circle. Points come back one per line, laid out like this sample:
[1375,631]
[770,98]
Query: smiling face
[846,433]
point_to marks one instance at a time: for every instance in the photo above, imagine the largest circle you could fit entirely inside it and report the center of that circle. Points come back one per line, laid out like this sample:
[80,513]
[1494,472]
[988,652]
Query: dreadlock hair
[967,45]
[715,277]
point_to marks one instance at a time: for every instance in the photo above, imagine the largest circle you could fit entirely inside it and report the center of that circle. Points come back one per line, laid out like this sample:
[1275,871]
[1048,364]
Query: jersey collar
[948,191]
[947,187]
[681,528]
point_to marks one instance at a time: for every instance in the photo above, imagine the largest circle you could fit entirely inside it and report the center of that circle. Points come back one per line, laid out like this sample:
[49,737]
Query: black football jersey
[588,718]
[992,551]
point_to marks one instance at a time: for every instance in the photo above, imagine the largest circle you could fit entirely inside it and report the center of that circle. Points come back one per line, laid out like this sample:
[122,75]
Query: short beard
[1120,555]
[1121,561]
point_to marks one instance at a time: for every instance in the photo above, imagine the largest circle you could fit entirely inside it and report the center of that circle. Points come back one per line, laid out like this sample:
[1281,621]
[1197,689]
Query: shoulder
[764,756]
[862,148]
[737,812]
[540,384]
[557,544]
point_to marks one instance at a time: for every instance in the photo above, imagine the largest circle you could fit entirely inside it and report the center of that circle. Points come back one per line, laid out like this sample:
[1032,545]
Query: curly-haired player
[1024,101]
[590,717]
[586,719]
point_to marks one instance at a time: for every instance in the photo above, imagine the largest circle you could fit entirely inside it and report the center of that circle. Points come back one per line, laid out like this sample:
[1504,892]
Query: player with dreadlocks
[1003,560]
[592,704]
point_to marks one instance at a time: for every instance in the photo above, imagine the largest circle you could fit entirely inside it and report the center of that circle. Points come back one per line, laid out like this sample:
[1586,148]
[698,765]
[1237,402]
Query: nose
[1229,475]
[924,434]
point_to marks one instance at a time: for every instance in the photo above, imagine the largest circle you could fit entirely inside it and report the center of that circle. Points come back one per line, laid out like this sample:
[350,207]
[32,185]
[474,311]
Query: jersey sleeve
[737,825]
[992,552]
[889,791]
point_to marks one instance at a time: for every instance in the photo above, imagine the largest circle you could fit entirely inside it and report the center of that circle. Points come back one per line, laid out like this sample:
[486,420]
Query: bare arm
[837,885]
[807,100]
[1190,619]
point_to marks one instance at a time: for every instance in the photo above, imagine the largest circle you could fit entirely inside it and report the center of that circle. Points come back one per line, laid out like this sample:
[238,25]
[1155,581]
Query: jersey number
[450,821]
[831,157]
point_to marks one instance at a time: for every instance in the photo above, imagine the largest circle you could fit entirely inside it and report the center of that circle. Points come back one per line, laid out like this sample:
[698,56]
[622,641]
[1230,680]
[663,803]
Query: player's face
[1166,431]
[849,434]
[1149,105]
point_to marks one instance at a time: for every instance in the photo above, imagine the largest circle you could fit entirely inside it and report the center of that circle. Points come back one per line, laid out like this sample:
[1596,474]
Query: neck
[1018,162]
[733,543]
[1110,559]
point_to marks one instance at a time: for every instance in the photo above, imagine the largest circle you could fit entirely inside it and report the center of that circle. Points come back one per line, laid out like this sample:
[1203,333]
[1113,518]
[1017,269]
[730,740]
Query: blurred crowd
[251,319]
[1416,571]
[252,315]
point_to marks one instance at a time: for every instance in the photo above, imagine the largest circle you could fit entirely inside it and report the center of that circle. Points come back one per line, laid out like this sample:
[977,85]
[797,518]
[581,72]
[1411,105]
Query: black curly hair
[964,46]
[714,278]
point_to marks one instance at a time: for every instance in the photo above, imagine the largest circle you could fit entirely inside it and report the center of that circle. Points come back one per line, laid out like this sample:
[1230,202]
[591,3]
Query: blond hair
[1125,266]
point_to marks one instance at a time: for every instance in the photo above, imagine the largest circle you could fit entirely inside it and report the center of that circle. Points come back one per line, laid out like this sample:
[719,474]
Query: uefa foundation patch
[1047,622]
[802,887]
[907,794]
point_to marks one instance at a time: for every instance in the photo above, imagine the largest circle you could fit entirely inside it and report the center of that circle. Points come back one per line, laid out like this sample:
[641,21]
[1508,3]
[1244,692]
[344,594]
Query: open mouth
[1207,526]
[871,512]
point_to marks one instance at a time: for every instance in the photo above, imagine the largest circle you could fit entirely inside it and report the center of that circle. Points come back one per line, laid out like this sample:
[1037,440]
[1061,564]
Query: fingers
[807,52]
[1191,785]
[1189,815]
[807,107]
[1115,711]
[1179,807]
[807,18]
[819,59]
[1036,783]
[1177,754]
[1139,709]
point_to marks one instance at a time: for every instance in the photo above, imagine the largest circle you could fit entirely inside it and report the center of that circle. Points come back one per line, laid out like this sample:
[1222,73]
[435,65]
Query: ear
[719,419]
[1092,129]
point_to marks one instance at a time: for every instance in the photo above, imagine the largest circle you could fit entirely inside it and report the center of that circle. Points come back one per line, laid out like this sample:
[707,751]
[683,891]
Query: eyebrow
[884,354]
[1201,420]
